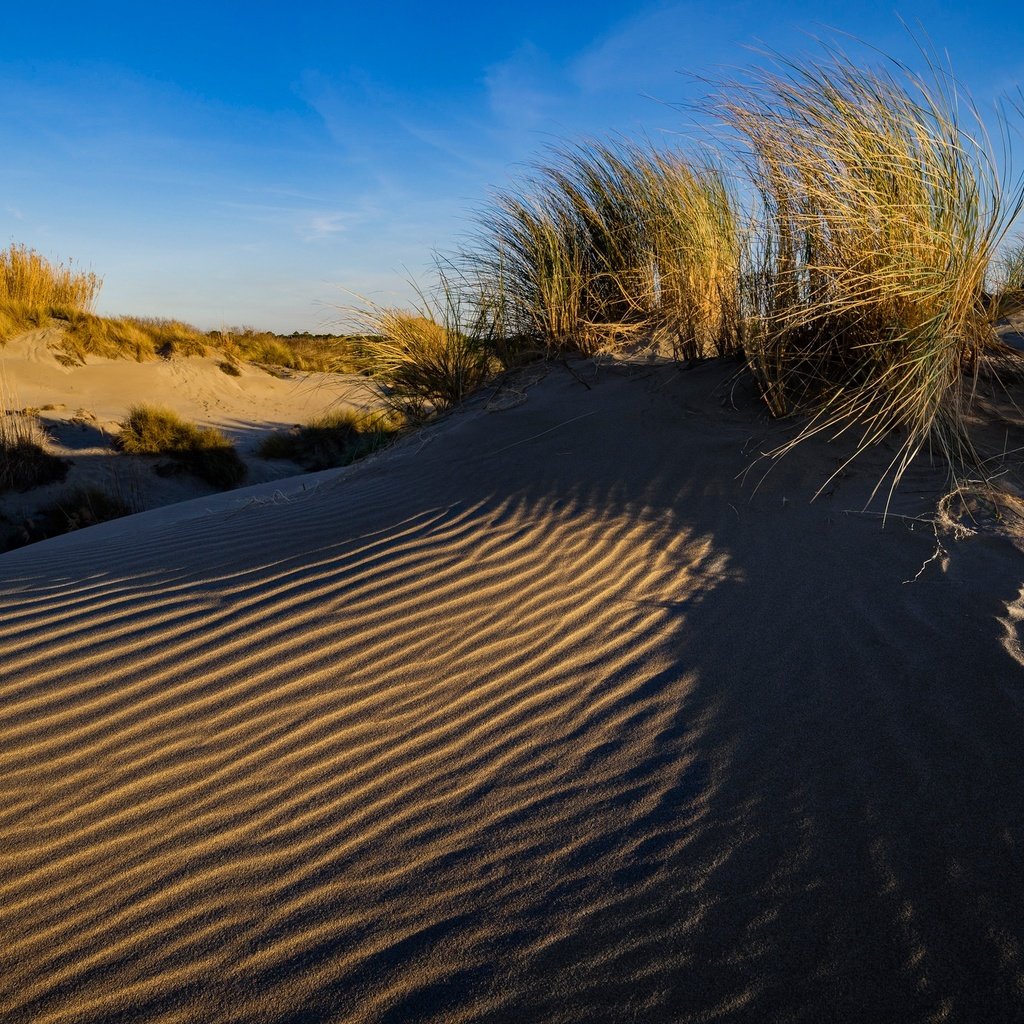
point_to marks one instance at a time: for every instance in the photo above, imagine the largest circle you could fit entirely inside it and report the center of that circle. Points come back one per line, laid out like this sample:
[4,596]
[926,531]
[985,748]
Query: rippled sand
[549,715]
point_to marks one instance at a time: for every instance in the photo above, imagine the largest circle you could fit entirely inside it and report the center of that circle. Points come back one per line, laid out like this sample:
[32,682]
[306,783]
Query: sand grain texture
[543,716]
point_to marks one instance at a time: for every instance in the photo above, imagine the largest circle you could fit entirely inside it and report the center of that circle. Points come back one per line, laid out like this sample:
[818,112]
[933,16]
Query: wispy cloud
[525,89]
[326,225]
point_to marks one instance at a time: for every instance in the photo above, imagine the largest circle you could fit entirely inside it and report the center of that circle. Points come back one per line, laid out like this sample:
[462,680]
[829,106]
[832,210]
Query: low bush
[202,451]
[334,439]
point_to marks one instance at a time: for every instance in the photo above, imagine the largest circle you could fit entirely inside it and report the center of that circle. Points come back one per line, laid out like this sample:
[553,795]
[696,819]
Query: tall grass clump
[1009,283]
[883,207]
[202,451]
[24,461]
[426,360]
[29,279]
[32,289]
[611,246]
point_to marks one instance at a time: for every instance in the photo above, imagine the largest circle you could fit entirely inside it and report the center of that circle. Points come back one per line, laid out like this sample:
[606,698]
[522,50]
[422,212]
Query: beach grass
[1009,277]
[846,260]
[29,280]
[202,451]
[25,461]
[608,246]
[336,438]
[423,361]
[882,210]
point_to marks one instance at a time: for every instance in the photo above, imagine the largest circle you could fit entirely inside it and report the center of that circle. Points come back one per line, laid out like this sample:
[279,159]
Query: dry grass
[336,438]
[424,361]
[324,353]
[882,213]
[137,338]
[202,451]
[30,280]
[24,460]
[1009,279]
[616,246]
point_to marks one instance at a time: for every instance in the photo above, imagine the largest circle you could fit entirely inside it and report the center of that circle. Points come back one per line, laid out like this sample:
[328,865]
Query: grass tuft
[24,460]
[202,451]
[425,361]
[882,211]
[30,281]
[333,439]
[1009,274]
[607,247]
[76,510]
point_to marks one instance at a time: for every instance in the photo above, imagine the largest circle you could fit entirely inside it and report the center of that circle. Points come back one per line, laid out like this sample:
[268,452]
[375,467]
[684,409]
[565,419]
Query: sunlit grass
[29,280]
[882,211]
[202,451]
[423,361]
[610,247]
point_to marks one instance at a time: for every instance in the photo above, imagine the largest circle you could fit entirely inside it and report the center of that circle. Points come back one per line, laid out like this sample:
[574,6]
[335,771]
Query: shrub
[202,451]
[334,439]
[75,510]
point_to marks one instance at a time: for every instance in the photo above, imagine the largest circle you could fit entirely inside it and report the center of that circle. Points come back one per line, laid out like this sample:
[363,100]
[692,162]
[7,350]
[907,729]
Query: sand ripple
[575,731]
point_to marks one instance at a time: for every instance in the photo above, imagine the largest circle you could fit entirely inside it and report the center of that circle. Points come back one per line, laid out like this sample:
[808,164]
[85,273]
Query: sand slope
[82,407]
[544,716]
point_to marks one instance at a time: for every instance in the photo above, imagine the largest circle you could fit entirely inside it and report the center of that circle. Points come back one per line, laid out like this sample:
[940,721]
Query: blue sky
[232,163]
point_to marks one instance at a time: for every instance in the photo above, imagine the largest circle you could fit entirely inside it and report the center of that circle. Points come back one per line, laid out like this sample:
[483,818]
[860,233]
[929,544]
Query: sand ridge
[548,714]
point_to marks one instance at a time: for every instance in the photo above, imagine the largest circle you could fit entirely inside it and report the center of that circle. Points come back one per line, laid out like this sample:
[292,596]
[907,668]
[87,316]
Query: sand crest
[548,714]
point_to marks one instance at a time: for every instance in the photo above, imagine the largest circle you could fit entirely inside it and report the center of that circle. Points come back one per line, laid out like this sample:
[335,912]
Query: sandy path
[546,718]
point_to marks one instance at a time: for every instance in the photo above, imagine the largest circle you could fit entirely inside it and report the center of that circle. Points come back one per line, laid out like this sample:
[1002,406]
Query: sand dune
[82,408]
[549,714]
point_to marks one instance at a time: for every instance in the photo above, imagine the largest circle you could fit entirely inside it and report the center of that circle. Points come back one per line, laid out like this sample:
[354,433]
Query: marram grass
[607,247]
[847,261]
[882,213]
[426,360]
[202,451]
[31,281]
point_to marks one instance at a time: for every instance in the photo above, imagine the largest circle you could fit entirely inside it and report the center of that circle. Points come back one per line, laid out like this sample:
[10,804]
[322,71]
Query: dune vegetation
[24,460]
[849,243]
[336,438]
[848,259]
[37,292]
[202,451]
